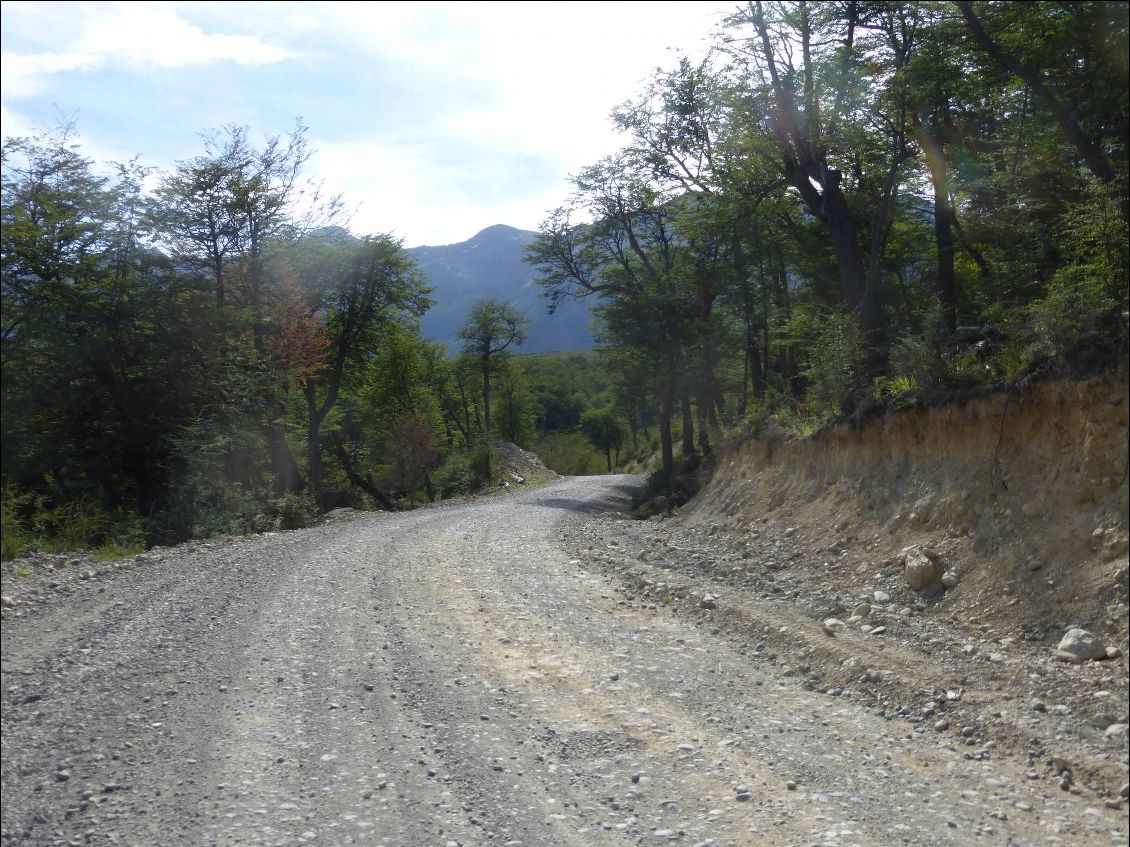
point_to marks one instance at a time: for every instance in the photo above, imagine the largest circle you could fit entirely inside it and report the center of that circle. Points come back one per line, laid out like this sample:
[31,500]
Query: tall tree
[362,289]
[490,329]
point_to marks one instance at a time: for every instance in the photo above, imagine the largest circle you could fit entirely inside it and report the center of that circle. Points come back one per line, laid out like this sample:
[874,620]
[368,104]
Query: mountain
[490,265]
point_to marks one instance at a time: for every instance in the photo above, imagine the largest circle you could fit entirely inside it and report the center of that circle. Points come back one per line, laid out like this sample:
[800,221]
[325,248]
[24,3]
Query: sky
[432,120]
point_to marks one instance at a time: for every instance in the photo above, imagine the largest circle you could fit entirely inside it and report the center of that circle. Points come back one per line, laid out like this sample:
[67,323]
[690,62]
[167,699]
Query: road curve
[453,675]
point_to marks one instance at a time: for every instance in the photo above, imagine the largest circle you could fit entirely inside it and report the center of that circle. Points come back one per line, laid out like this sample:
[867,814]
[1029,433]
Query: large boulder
[919,571]
[1078,645]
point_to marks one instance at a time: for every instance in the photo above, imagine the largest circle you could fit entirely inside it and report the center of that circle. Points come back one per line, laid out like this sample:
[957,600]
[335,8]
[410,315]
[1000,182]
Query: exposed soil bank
[1024,495]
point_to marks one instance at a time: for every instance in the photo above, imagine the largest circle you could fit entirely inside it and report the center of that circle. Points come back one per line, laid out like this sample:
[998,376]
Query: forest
[846,207]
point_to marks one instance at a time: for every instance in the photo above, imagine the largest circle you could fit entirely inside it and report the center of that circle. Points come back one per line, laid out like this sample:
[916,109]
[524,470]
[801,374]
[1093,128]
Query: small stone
[967,731]
[882,597]
[949,579]
[879,630]
[942,725]
[709,601]
[862,610]
[62,775]
[1039,706]
[1116,730]
[834,623]
[7,602]
[1124,791]
[790,785]
[1113,803]
[1113,652]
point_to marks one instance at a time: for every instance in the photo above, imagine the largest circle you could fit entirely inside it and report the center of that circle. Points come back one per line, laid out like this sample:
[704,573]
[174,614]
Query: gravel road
[459,675]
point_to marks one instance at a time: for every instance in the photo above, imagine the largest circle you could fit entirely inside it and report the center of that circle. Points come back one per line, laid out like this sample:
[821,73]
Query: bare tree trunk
[486,396]
[943,225]
[313,442]
[666,445]
[688,422]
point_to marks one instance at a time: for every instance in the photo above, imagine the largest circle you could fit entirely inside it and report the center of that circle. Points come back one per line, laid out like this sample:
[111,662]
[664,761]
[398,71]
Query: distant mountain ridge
[489,265]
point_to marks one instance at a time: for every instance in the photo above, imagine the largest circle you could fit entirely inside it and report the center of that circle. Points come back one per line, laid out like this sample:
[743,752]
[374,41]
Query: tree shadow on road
[616,499]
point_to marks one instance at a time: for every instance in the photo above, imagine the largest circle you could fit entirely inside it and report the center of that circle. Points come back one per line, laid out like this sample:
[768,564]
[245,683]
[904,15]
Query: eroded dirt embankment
[1024,494]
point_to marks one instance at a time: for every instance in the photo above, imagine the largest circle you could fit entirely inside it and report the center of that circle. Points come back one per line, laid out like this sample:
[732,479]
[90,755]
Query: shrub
[295,511]
[15,540]
[456,475]
[833,350]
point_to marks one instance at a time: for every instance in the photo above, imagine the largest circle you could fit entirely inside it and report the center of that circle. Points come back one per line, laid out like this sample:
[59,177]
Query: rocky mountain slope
[489,265]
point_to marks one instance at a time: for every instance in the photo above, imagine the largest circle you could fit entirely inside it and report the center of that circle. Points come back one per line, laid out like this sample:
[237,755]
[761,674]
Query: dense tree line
[849,203]
[220,355]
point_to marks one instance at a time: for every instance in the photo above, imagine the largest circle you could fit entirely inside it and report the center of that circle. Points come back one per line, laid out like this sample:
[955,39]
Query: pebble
[882,597]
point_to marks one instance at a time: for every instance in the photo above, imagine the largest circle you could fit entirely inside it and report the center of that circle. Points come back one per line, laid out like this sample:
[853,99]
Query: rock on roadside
[1078,645]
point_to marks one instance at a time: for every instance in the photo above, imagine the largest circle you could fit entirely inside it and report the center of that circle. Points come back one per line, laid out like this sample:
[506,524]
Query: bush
[79,524]
[570,454]
[295,511]
[215,508]
[833,350]
[15,540]
[456,475]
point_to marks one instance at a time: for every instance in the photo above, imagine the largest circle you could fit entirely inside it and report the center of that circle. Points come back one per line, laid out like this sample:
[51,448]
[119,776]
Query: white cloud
[125,33]
[159,37]
[548,73]
[402,189]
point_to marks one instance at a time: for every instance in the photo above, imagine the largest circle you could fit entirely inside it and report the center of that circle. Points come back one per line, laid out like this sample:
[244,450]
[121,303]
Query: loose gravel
[499,672]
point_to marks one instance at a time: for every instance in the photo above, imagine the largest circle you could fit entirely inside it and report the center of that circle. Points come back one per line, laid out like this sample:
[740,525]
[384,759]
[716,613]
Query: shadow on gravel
[619,499]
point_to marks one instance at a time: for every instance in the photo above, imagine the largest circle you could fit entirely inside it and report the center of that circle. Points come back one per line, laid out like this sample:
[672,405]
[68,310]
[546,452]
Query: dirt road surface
[460,675]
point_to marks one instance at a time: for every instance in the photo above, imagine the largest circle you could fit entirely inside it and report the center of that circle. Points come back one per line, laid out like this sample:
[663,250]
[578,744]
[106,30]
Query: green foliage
[15,540]
[832,349]
[295,511]
[514,415]
[570,454]
[603,429]
[456,475]
[1083,312]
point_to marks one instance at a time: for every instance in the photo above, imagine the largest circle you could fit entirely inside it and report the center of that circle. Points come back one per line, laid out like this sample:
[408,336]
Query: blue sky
[434,120]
